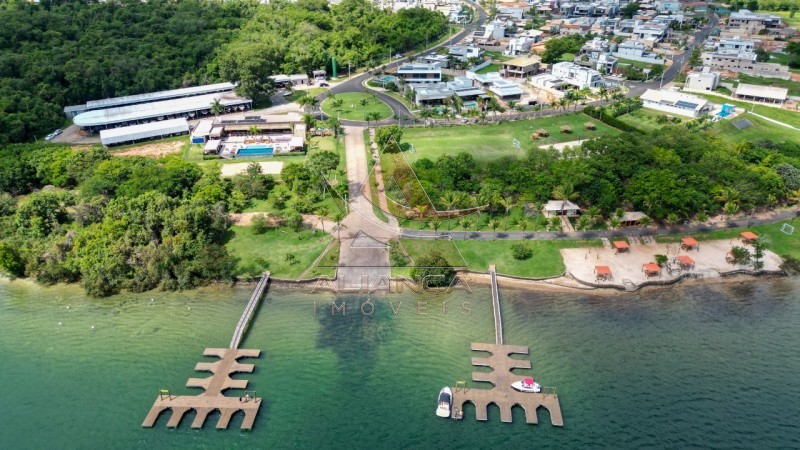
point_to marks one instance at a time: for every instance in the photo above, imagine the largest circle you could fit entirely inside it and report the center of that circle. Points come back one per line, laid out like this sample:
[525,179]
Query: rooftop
[523,61]
[676,99]
[143,111]
[161,95]
[752,90]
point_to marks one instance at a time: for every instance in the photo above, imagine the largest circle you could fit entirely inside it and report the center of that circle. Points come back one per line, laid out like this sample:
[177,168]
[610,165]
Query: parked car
[49,137]
[324,84]
[57,132]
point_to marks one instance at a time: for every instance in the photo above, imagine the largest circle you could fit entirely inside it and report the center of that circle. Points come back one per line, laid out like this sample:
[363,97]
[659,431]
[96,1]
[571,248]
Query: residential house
[752,23]
[575,75]
[674,102]
[522,67]
[705,80]
[420,73]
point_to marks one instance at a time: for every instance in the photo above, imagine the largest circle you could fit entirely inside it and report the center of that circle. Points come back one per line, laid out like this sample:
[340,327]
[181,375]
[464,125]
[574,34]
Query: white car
[49,137]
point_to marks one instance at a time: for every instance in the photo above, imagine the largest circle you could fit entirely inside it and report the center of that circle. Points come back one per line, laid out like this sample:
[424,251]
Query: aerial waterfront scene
[383,224]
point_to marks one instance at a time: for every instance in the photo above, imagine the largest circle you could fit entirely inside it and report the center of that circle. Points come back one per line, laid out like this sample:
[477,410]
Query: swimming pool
[385,79]
[256,150]
[470,104]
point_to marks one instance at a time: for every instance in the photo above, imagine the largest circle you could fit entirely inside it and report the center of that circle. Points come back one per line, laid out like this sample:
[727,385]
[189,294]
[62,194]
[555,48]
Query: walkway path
[498,315]
[777,216]
[359,264]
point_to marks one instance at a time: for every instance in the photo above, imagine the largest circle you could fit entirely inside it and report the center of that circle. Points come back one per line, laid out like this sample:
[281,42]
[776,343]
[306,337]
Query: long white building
[675,102]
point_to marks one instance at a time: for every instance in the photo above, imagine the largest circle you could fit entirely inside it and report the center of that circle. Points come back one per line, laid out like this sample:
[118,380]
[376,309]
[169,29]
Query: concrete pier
[213,397]
[503,395]
[498,315]
[244,321]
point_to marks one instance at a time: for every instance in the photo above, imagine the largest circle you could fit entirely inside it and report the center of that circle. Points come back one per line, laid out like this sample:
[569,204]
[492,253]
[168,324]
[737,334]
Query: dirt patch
[312,220]
[268,167]
[155,150]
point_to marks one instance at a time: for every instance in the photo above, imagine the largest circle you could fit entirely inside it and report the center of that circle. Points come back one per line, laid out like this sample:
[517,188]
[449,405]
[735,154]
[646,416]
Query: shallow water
[703,365]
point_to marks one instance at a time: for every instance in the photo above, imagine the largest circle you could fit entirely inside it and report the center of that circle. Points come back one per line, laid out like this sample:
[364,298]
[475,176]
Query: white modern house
[705,80]
[561,208]
[765,94]
[674,102]
[751,23]
[420,73]
[637,51]
[578,76]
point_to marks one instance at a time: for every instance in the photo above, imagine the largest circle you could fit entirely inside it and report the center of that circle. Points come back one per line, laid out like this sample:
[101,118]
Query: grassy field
[300,93]
[545,262]
[645,119]
[639,64]
[327,265]
[761,129]
[492,141]
[497,56]
[793,22]
[351,108]
[781,115]
[268,251]
[490,68]
[792,86]
[776,240]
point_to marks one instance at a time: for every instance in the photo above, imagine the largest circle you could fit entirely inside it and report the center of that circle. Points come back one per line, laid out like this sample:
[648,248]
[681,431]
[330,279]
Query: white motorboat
[445,402]
[527,385]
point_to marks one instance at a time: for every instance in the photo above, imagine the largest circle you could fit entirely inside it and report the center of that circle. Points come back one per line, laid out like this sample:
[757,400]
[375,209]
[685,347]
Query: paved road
[361,259]
[398,108]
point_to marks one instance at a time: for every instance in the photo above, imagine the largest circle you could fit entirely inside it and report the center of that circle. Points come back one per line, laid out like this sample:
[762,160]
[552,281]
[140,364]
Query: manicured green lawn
[761,129]
[489,68]
[259,252]
[645,119]
[781,115]
[492,141]
[639,64]
[776,240]
[327,265]
[478,255]
[351,108]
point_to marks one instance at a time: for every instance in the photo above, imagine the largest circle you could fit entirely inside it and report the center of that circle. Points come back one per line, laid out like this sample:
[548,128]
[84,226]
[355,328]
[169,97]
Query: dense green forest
[670,174]
[296,37]
[55,54]
[62,53]
[114,223]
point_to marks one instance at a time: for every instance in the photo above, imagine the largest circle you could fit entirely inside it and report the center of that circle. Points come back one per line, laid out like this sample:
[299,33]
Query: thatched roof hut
[590,126]
[541,132]
[566,129]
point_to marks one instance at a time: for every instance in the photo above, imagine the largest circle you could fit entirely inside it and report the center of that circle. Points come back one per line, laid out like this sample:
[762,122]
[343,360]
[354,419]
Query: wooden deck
[213,397]
[503,395]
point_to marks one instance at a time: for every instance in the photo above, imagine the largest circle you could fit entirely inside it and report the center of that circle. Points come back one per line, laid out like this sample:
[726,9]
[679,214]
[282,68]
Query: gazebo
[685,262]
[748,237]
[651,269]
[631,218]
[603,273]
[621,246]
[566,129]
[689,243]
[590,126]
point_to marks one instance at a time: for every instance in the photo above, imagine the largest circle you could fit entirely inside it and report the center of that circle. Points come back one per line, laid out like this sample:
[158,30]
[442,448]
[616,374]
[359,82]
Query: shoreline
[563,283]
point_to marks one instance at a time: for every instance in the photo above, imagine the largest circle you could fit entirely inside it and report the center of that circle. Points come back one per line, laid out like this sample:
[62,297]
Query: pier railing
[248,311]
[498,318]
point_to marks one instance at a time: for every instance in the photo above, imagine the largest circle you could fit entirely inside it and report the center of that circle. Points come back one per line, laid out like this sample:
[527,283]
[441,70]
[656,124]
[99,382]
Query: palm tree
[435,224]
[594,214]
[338,219]
[728,195]
[523,225]
[565,192]
[465,224]
[420,210]
[645,221]
[448,200]
[322,211]
[309,121]
[730,209]
[507,203]
[614,223]
[671,219]
[334,124]
[483,117]
[494,224]
[555,223]
[253,130]
[217,108]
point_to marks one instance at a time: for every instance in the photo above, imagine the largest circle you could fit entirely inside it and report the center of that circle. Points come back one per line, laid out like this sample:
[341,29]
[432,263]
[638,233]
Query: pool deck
[503,395]
[213,398]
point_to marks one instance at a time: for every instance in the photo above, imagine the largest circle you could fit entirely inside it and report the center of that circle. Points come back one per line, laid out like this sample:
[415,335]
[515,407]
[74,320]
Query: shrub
[740,255]
[433,270]
[790,264]
[521,251]
[661,260]
[260,224]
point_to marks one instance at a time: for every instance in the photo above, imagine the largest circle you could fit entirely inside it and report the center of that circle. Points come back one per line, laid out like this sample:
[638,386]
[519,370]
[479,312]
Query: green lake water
[700,365]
